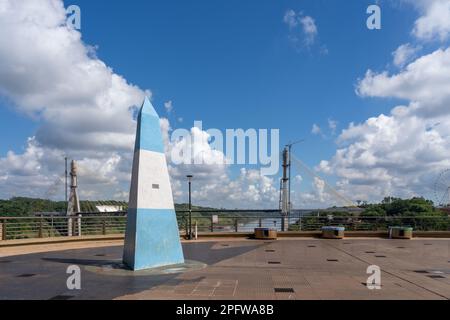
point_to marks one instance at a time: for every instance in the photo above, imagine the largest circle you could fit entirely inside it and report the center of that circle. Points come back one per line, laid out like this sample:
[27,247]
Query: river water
[265,223]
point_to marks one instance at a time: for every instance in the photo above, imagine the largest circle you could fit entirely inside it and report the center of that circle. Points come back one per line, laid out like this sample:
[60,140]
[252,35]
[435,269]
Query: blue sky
[232,64]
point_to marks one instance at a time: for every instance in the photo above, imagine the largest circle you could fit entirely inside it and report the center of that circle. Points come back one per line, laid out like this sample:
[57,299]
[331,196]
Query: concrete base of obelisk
[152,239]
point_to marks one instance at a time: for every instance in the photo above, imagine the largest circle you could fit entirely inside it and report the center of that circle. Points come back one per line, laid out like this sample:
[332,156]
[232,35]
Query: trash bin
[266,233]
[400,232]
[330,232]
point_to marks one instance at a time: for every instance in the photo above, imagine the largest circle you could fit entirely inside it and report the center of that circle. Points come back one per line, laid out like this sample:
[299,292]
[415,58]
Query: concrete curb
[221,235]
[40,241]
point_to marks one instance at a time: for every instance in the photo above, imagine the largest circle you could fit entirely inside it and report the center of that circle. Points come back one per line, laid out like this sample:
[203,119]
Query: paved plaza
[236,269]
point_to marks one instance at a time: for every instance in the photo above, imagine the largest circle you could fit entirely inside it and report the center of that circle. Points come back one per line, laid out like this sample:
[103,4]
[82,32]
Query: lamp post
[65,183]
[190,206]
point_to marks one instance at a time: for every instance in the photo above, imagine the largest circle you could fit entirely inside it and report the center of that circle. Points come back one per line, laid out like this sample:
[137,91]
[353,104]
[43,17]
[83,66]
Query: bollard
[400,232]
[265,233]
[330,232]
[236,225]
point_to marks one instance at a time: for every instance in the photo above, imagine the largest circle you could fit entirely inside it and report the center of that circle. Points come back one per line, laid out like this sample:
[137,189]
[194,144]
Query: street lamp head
[189,176]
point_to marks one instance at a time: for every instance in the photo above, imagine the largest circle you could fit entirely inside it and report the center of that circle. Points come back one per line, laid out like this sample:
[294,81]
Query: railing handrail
[39,226]
[228,216]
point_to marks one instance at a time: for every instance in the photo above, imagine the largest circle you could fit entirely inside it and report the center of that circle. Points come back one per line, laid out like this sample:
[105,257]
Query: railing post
[236,225]
[69,226]
[104,226]
[40,233]
[52,228]
[212,224]
[74,227]
[196,230]
[260,222]
[4,222]
[186,227]
[79,225]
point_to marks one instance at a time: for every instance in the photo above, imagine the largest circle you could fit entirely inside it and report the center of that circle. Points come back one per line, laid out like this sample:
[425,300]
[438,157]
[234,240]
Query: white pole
[195,230]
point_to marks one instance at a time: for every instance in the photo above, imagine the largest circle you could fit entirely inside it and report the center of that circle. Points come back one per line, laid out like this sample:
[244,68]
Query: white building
[106,208]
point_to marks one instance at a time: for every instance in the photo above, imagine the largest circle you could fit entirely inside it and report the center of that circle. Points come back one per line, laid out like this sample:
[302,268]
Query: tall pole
[289,176]
[289,181]
[190,206]
[65,176]
[284,198]
[190,212]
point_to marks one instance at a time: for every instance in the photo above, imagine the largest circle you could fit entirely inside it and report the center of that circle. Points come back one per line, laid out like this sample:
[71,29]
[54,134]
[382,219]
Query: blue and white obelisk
[152,238]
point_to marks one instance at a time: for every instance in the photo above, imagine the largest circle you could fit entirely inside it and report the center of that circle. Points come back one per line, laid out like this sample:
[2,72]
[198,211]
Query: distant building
[109,208]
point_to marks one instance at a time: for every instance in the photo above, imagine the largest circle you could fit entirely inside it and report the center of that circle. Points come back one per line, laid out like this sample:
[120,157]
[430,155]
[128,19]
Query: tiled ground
[246,269]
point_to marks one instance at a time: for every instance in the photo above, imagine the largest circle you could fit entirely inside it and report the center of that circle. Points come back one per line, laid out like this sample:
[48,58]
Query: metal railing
[209,221]
[373,223]
[60,226]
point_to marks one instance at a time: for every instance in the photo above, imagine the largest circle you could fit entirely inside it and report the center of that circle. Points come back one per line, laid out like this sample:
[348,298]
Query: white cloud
[303,29]
[332,124]
[249,190]
[319,186]
[168,106]
[309,29]
[424,82]
[404,54]
[290,18]
[401,153]
[85,111]
[314,197]
[205,162]
[74,95]
[316,129]
[434,24]
[390,155]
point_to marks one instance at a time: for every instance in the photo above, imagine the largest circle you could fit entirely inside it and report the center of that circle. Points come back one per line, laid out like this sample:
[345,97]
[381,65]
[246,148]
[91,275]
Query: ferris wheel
[442,189]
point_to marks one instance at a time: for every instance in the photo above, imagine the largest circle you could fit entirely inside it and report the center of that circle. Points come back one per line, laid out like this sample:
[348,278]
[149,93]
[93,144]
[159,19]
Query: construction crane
[344,200]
